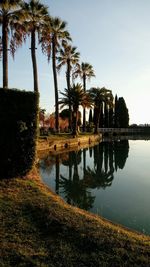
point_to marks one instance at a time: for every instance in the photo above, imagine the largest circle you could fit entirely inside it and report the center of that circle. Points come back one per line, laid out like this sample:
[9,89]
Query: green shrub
[18,131]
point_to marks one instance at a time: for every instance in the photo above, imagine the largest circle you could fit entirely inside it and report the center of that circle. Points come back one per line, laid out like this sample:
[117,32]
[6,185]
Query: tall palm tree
[84,71]
[77,97]
[70,57]
[59,33]
[99,96]
[8,11]
[36,18]
[51,39]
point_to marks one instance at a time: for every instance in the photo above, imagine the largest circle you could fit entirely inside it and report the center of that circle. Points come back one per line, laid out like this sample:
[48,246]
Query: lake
[111,179]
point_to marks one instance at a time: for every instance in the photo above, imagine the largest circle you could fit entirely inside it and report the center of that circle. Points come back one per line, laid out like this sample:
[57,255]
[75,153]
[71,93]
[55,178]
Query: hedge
[18,131]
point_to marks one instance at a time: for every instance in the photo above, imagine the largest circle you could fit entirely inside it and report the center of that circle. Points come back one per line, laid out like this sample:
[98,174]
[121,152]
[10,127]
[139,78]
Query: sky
[113,36]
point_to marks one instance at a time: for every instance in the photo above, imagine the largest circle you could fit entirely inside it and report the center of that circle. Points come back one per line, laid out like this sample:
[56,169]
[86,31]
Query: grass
[39,229]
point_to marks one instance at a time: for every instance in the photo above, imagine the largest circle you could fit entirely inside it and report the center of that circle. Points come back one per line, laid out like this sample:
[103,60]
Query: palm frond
[68,55]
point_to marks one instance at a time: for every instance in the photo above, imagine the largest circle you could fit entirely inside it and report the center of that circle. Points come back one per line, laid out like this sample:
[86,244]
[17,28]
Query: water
[111,179]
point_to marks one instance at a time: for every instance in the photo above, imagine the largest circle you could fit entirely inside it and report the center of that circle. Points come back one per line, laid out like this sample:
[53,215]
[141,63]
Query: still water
[111,179]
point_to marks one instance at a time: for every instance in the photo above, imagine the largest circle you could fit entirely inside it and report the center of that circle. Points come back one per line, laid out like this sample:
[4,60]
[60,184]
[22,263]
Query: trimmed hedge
[18,131]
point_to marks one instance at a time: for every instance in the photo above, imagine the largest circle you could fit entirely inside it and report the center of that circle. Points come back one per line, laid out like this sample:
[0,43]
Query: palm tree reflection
[74,189]
[86,173]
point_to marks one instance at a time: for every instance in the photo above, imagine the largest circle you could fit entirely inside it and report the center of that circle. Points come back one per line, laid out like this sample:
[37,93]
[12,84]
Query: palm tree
[68,56]
[99,96]
[76,97]
[84,71]
[36,18]
[51,39]
[59,33]
[9,9]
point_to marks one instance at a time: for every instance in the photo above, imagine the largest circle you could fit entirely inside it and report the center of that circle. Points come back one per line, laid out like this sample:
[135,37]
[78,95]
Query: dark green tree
[99,96]
[106,115]
[121,113]
[116,112]
[90,117]
[111,117]
[64,114]
[101,119]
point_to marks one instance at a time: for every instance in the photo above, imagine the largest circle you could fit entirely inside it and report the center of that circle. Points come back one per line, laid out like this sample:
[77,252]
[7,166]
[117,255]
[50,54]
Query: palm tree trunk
[96,119]
[55,85]
[84,88]
[74,122]
[5,52]
[34,63]
[68,86]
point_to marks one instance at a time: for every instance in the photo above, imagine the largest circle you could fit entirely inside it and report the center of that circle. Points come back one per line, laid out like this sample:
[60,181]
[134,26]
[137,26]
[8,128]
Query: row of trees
[114,114]
[107,112]
[32,19]
[28,19]
[94,97]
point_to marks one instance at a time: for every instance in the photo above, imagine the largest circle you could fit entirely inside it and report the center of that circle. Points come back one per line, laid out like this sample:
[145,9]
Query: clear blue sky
[113,36]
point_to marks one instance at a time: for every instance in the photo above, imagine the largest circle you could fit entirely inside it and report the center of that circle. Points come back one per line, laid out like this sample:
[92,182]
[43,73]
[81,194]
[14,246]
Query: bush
[18,131]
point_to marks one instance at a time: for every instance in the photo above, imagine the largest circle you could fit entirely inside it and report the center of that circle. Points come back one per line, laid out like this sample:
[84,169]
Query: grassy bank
[39,229]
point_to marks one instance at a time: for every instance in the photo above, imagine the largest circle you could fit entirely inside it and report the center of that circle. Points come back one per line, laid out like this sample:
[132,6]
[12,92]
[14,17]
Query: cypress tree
[116,112]
[111,117]
[101,120]
[121,113]
[106,115]
[90,117]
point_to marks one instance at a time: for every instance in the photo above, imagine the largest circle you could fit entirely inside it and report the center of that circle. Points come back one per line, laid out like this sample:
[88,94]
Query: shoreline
[62,145]
[42,153]
[39,227]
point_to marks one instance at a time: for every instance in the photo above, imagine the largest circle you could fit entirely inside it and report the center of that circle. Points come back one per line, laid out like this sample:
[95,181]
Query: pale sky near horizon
[113,36]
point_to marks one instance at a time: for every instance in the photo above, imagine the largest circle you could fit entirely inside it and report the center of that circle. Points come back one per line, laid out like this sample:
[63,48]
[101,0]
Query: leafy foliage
[67,56]
[84,71]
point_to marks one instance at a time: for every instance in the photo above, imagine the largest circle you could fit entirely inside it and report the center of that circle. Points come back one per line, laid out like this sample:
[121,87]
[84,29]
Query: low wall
[55,146]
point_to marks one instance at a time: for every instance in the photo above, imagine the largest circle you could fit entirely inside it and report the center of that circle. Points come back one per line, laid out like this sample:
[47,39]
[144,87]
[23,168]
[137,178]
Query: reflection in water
[76,184]
[73,188]
[102,180]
